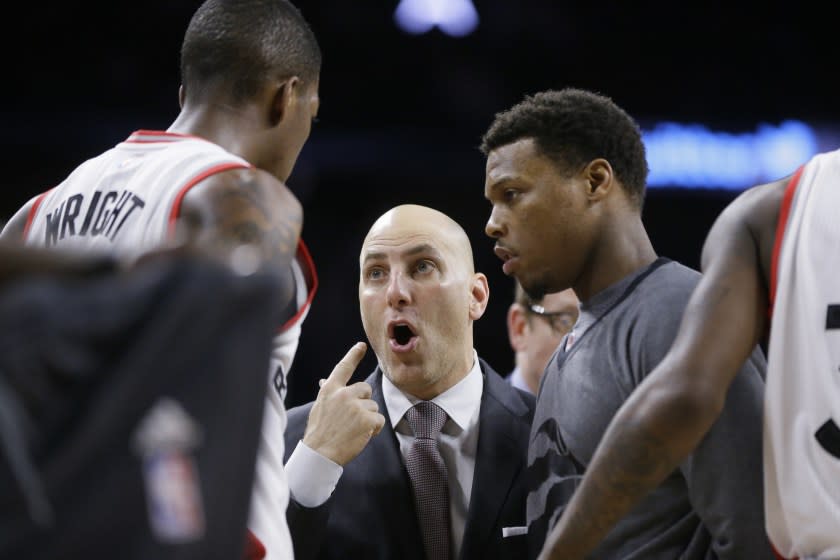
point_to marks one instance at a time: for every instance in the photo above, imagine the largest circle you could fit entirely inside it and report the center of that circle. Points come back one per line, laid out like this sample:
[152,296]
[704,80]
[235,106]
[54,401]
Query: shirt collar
[460,401]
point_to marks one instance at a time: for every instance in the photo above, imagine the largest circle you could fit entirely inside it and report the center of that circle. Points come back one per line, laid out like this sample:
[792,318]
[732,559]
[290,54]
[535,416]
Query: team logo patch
[165,441]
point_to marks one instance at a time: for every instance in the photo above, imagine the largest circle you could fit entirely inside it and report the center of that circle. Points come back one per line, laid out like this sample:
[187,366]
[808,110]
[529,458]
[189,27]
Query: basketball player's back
[126,200]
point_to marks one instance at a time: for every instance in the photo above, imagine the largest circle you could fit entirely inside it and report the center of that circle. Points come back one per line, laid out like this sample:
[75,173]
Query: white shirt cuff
[312,477]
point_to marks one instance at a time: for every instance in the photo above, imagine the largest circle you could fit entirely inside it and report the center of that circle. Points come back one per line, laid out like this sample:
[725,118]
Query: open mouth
[403,337]
[403,334]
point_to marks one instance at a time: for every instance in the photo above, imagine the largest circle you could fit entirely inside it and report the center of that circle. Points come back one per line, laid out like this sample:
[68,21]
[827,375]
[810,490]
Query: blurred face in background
[535,331]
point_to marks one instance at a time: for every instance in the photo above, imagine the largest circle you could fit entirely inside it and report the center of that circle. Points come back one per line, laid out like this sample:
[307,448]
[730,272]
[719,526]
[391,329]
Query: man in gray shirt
[566,176]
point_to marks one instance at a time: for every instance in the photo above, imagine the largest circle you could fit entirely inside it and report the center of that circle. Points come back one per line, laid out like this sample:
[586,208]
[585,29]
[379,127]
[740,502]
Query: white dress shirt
[313,477]
[517,380]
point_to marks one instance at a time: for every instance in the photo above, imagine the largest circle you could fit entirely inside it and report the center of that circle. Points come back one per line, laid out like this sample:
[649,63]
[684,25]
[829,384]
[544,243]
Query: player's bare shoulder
[244,207]
[759,206]
[748,223]
[760,209]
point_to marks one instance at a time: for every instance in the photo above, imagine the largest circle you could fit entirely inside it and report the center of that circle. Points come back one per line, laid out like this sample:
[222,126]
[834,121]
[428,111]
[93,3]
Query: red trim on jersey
[784,210]
[254,548]
[31,216]
[308,266]
[779,556]
[303,257]
[175,211]
[136,137]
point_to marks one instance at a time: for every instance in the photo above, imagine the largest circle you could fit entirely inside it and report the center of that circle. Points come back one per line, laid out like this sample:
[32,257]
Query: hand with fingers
[344,417]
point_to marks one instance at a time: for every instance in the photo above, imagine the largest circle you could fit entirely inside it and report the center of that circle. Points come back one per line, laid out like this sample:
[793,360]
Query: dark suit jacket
[371,514]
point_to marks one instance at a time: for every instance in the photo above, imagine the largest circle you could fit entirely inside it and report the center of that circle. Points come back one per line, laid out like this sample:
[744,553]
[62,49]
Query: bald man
[353,495]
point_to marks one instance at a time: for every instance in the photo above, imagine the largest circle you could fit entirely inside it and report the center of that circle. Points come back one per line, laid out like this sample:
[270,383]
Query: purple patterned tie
[428,477]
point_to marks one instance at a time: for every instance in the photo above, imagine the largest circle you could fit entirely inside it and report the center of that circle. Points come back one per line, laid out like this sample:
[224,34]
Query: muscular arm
[671,411]
[243,208]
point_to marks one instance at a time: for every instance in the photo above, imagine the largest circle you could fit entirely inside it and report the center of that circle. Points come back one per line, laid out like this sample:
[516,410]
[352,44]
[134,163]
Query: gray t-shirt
[712,506]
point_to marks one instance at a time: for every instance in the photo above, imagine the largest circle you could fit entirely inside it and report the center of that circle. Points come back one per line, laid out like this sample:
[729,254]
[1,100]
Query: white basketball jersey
[802,399]
[126,201]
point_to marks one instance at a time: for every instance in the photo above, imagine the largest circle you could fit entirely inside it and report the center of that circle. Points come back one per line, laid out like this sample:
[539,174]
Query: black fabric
[829,437]
[86,362]
[832,317]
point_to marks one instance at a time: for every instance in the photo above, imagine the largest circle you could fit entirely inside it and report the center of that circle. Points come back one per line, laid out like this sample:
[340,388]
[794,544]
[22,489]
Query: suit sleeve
[308,527]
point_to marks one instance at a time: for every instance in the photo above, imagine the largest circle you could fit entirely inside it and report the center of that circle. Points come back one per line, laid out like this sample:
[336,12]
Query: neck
[443,383]
[219,123]
[621,250]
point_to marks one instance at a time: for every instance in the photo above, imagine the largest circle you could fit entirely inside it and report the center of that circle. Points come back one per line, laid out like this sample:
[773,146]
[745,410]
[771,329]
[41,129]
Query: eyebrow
[501,182]
[416,250]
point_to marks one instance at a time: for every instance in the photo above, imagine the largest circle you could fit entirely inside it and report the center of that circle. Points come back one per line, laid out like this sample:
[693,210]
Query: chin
[402,375]
[533,290]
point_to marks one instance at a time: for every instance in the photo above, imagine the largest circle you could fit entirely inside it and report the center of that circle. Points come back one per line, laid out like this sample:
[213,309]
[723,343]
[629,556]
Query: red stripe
[308,265]
[779,556]
[254,548]
[176,206]
[31,216]
[135,137]
[303,256]
[784,210]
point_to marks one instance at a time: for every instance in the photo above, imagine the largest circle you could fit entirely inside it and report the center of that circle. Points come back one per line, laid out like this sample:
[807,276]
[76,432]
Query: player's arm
[244,211]
[671,411]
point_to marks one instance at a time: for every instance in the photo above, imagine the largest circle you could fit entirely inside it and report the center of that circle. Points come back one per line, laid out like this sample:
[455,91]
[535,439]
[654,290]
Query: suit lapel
[498,461]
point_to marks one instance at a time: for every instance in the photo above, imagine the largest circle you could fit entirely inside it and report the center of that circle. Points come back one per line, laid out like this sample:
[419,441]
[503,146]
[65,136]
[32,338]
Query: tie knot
[426,419]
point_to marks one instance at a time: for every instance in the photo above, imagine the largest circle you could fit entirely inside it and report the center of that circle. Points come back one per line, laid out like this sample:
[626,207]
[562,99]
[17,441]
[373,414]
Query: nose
[494,228]
[398,293]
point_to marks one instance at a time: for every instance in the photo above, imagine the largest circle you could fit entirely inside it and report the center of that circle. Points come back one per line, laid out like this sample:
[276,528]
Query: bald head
[418,296]
[411,220]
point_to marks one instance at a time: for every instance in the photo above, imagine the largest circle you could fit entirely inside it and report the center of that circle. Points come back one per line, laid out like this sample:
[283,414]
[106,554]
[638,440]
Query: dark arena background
[728,94]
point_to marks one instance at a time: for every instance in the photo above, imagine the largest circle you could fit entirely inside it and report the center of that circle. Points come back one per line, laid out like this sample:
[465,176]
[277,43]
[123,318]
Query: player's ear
[182,96]
[283,95]
[599,178]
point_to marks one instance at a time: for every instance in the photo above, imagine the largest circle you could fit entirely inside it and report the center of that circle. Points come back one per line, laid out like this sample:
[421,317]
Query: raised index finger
[343,370]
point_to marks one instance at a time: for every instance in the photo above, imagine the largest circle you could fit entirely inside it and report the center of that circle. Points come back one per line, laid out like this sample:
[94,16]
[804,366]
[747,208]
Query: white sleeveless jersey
[125,202]
[802,399]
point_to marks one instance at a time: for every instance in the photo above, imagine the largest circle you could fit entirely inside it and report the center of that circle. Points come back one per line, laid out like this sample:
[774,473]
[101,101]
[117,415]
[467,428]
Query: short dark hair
[573,127]
[234,46]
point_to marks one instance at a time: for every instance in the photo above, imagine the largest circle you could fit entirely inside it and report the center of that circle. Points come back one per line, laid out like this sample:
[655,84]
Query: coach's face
[418,297]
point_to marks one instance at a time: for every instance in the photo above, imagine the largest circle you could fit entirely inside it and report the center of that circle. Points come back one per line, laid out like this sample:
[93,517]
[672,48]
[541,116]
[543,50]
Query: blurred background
[728,94]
